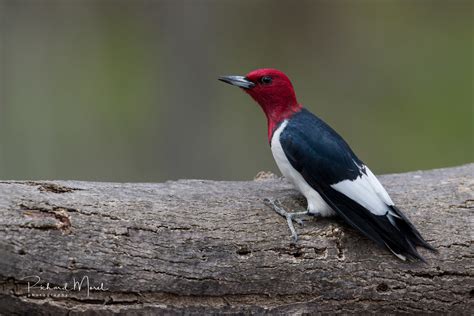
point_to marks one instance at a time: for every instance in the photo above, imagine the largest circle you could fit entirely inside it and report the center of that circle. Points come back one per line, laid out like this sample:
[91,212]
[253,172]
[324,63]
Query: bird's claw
[298,221]
[290,217]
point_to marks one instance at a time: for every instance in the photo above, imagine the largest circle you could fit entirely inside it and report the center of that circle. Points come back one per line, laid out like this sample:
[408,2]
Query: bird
[324,169]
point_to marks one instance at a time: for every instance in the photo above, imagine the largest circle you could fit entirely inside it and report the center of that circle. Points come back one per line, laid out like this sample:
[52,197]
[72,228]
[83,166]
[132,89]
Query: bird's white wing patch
[367,191]
[378,188]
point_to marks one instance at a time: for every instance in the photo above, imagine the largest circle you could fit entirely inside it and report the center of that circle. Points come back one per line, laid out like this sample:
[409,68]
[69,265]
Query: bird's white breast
[316,204]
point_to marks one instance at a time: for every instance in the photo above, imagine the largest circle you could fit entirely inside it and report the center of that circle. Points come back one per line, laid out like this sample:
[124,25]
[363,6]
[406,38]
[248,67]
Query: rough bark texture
[195,246]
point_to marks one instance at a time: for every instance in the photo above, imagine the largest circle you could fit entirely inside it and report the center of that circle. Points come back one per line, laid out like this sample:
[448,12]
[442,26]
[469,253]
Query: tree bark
[199,246]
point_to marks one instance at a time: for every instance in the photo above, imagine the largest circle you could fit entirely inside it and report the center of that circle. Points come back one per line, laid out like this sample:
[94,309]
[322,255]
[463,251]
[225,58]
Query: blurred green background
[127,90]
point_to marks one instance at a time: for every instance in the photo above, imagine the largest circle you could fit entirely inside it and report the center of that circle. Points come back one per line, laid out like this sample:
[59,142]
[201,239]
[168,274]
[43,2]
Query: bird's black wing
[330,167]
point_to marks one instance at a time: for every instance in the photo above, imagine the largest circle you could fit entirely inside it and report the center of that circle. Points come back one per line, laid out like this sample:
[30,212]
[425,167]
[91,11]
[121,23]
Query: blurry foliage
[127,90]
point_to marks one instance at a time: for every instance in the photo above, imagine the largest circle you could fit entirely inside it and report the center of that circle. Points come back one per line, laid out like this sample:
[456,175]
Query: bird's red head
[272,90]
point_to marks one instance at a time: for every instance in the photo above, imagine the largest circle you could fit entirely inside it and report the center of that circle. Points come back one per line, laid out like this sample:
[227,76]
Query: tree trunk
[199,246]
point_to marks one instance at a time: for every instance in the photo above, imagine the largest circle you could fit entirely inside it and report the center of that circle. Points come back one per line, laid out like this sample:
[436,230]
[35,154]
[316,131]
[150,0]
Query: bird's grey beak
[238,81]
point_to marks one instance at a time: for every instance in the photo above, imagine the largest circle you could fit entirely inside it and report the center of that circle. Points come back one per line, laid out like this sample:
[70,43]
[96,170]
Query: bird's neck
[277,114]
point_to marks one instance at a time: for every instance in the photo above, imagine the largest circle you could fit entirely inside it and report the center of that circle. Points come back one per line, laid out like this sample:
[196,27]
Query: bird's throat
[276,115]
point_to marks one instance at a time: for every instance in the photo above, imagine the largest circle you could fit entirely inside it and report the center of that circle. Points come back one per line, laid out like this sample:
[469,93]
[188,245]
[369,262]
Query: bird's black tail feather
[396,233]
[409,229]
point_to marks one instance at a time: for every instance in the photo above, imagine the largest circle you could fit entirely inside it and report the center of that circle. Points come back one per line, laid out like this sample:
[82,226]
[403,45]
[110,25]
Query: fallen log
[199,246]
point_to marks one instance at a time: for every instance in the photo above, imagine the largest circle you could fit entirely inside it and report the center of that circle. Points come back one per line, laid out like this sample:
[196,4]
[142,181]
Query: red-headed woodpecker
[324,169]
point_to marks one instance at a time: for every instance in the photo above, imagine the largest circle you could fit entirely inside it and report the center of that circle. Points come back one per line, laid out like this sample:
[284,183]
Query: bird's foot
[290,217]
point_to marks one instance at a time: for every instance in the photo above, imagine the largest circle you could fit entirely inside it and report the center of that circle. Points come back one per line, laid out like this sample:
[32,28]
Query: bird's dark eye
[266,80]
